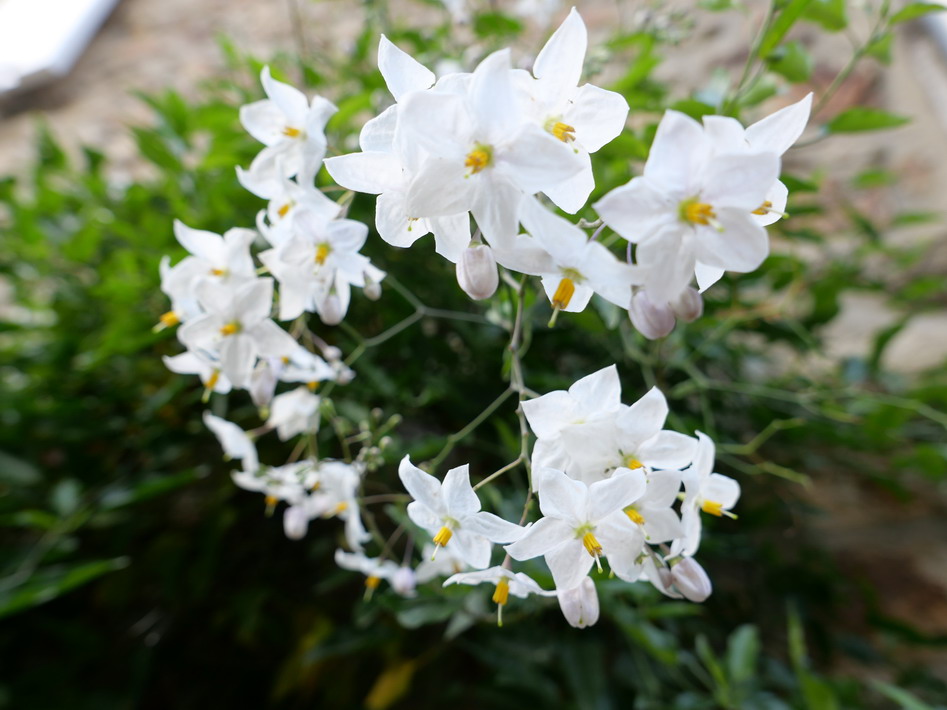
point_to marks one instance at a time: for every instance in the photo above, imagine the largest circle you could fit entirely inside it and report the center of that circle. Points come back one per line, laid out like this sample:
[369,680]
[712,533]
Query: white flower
[291,128]
[583,523]
[520,585]
[580,604]
[202,364]
[482,156]
[373,568]
[335,493]
[294,412]
[705,491]
[234,441]
[437,565]
[585,118]
[692,204]
[451,510]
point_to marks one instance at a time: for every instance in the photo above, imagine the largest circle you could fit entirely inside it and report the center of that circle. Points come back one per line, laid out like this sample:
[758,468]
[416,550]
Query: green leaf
[51,582]
[154,147]
[862,118]
[880,47]
[743,650]
[17,472]
[915,10]
[791,61]
[65,497]
[496,24]
[902,697]
[783,23]
[828,13]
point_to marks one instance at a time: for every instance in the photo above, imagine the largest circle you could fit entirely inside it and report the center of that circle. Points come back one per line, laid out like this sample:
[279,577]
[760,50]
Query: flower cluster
[499,147]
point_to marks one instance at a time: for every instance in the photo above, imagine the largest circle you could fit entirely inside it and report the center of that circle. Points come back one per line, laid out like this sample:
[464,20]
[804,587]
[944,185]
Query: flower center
[479,158]
[712,507]
[372,582]
[284,209]
[591,544]
[697,212]
[765,208]
[502,592]
[563,294]
[631,462]
[212,380]
[562,131]
[322,251]
[443,536]
[635,517]
[169,319]
[291,132]
[230,328]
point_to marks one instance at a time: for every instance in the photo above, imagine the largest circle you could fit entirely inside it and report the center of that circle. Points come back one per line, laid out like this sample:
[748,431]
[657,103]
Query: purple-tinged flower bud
[580,605]
[403,581]
[691,580]
[651,320]
[477,272]
[330,352]
[330,311]
[688,306]
[295,522]
[372,290]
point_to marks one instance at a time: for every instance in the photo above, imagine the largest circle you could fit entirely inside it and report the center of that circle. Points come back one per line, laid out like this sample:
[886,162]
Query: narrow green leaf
[784,22]
[791,61]
[862,118]
[52,582]
[902,697]
[915,10]
[830,14]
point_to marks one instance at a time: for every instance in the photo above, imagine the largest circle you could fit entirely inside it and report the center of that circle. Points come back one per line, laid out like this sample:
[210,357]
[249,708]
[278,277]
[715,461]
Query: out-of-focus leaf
[915,10]
[792,61]
[781,25]
[861,118]
[51,582]
[391,685]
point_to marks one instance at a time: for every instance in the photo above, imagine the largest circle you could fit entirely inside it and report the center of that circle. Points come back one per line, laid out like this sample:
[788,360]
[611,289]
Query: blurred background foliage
[135,574]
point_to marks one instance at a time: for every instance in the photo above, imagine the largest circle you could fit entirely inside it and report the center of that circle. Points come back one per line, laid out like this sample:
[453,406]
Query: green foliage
[151,578]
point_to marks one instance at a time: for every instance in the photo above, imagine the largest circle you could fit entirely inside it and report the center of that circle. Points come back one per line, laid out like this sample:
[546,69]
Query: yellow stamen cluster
[635,517]
[592,545]
[712,507]
[502,593]
[169,319]
[562,131]
[372,582]
[230,328]
[212,380]
[313,386]
[218,272]
[271,501]
[563,294]
[443,536]
[291,132]
[322,252]
[632,463]
[479,158]
[284,209]
[340,508]
[697,212]
[764,208]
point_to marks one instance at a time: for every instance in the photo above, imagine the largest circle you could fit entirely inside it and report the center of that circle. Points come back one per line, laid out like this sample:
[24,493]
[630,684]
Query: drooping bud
[580,605]
[689,305]
[404,581]
[263,383]
[477,272]
[295,522]
[691,580]
[372,289]
[650,319]
[330,310]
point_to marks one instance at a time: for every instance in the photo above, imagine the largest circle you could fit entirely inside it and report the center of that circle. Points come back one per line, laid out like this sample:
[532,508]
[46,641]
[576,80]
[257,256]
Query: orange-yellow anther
[764,208]
[592,545]
[502,592]
[291,132]
[443,536]
[340,508]
[271,501]
[712,507]
[563,131]
[635,517]
[230,328]
[284,209]
[372,582]
[632,463]
[169,319]
[697,212]
[322,252]
[212,380]
[313,386]
[563,294]
[218,272]
[478,159]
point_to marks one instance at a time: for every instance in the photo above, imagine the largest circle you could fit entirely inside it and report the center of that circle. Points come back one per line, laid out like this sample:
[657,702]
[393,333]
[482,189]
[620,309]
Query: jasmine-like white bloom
[451,510]
[202,364]
[571,266]
[692,204]
[583,523]
[294,412]
[506,582]
[635,439]
[290,127]
[236,326]
[404,582]
[373,568]
[335,494]
[652,511]
[234,441]
[584,117]
[712,493]
[291,483]
[483,156]
[580,604]
[436,563]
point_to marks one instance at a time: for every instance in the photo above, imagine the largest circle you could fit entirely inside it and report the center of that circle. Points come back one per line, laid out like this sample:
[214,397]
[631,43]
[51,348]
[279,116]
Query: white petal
[740,180]
[741,245]
[237,357]
[561,58]
[722,489]
[491,98]
[471,548]
[707,276]
[661,525]
[667,449]
[569,563]
[441,188]
[457,493]
[615,493]
[378,134]
[678,154]
[369,172]
[726,134]
[644,418]
[422,486]
[562,497]
[539,538]
[571,194]
[536,160]
[495,207]
[636,210]
[778,131]
[402,73]
[494,528]
[392,223]
[424,517]
[663,487]
[597,115]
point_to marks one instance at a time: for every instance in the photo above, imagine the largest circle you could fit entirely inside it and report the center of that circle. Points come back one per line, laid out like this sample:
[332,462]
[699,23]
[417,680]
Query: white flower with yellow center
[582,524]
[692,204]
[584,117]
[289,126]
[234,441]
[704,492]
[374,568]
[451,511]
[505,582]
[481,154]
[294,412]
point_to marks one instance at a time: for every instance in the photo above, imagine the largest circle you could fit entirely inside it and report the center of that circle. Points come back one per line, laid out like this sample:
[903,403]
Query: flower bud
[690,580]
[263,382]
[403,581]
[372,290]
[689,305]
[330,352]
[651,320]
[330,310]
[580,605]
[295,522]
[477,272]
